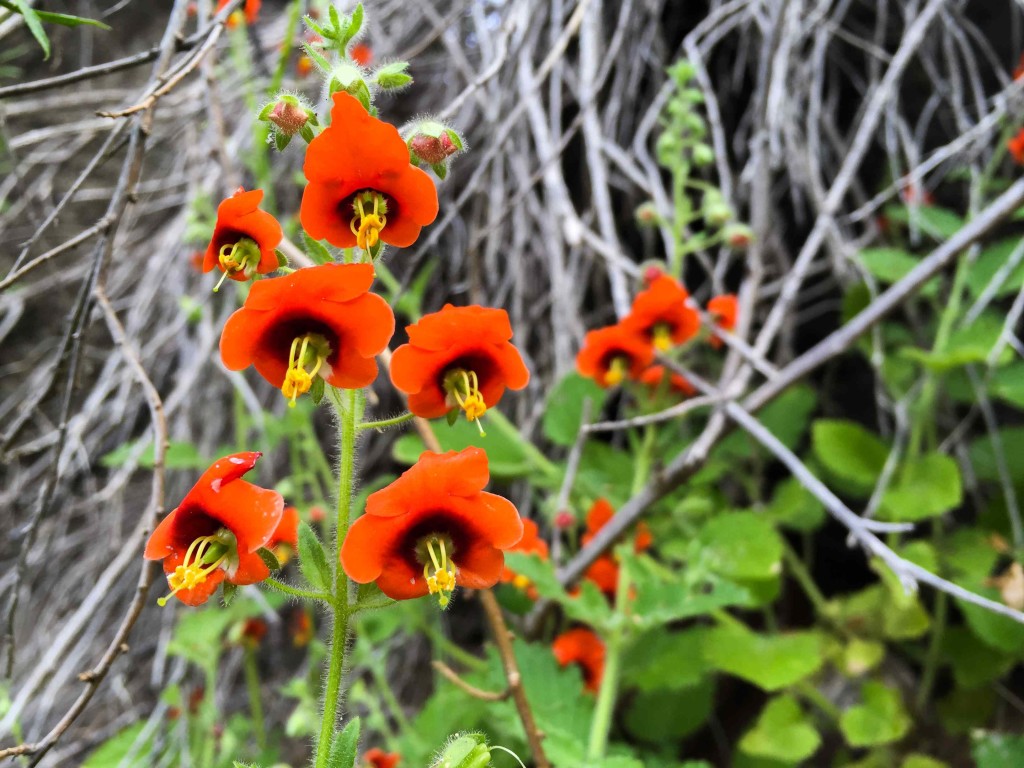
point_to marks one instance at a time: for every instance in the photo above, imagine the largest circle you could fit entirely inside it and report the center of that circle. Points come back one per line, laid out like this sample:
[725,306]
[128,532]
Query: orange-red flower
[432,529]
[251,9]
[378,758]
[460,357]
[724,308]
[1016,147]
[610,355]
[660,314]
[285,541]
[216,531]
[530,544]
[244,238]
[1018,72]
[583,647]
[253,632]
[361,54]
[300,627]
[654,377]
[320,318]
[604,571]
[362,187]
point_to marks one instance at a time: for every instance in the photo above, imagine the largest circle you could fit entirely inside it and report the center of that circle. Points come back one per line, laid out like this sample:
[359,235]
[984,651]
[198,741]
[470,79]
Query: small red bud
[652,273]
[564,520]
[288,116]
[316,514]
[432,149]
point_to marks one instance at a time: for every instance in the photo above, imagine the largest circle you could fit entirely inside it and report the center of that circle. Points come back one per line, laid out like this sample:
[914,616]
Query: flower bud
[652,272]
[715,210]
[647,214]
[738,236]
[288,115]
[564,520]
[432,143]
[682,71]
[703,155]
[467,750]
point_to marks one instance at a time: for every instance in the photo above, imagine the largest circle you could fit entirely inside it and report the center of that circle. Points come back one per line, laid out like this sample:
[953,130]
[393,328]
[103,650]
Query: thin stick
[452,676]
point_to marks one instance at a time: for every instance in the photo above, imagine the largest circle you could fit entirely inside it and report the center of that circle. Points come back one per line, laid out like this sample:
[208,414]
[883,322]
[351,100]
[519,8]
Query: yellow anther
[194,567]
[661,337]
[616,372]
[242,256]
[464,387]
[441,579]
[367,225]
[308,349]
[521,582]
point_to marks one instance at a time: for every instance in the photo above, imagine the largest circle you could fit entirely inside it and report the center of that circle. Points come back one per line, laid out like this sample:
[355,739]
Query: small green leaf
[997,750]
[282,260]
[344,746]
[316,390]
[922,761]
[440,170]
[783,732]
[971,344]
[771,662]
[312,559]
[793,506]
[452,416]
[563,412]
[316,250]
[880,719]
[973,662]
[114,750]
[229,592]
[889,265]
[991,261]
[850,452]
[281,140]
[923,488]
[393,75]
[269,559]
[742,545]
[664,660]
[33,22]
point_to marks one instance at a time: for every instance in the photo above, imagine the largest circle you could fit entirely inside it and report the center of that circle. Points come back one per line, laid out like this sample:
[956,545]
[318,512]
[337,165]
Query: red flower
[362,187]
[215,532]
[300,627]
[604,571]
[654,377]
[724,308]
[530,544]
[253,632]
[1016,147]
[361,54]
[251,9]
[318,317]
[435,514]
[378,758]
[660,314]
[244,238]
[611,354]
[285,541]
[582,647]
[1018,73]
[459,357]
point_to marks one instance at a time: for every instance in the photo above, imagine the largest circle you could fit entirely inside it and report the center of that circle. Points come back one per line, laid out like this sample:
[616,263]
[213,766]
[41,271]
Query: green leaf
[997,750]
[923,488]
[664,595]
[588,606]
[939,223]
[879,612]
[890,265]
[742,545]
[786,418]
[269,559]
[922,761]
[971,344]
[973,662]
[563,412]
[355,21]
[793,506]
[849,451]
[962,711]
[553,691]
[179,455]
[316,390]
[861,656]
[228,593]
[1008,384]
[312,560]
[983,455]
[783,732]
[658,716]
[316,250]
[664,660]
[994,630]
[344,746]
[393,75]
[114,750]
[440,170]
[281,140]
[506,457]
[33,22]
[880,719]
[990,261]
[771,662]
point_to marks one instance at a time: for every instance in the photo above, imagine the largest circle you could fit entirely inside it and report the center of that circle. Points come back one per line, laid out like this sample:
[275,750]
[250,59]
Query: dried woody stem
[452,676]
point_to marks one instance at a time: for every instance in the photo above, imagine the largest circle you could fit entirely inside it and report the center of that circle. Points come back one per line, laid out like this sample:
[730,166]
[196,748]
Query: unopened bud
[715,210]
[564,520]
[468,750]
[288,115]
[647,214]
[432,142]
[703,155]
[738,236]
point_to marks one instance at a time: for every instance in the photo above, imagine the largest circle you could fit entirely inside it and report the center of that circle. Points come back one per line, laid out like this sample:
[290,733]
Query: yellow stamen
[661,337]
[366,226]
[464,387]
[308,349]
[616,371]
[242,256]
[194,568]
[521,582]
[440,580]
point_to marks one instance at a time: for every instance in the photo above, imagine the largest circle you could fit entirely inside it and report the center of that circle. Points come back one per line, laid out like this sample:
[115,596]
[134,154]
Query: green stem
[350,409]
[803,577]
[601,723]
[931,662]
[252,683]
[385,423]
[643,459]
[286,48]
[294,592]
[539,460]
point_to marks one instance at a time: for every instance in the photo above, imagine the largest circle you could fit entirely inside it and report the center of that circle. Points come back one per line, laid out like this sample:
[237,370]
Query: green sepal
[316,56]
[441,169]
[353,25]
[265,112]
[315,26]
[393,75]
[269,559]
[306,132]
[344,746]
[375,250]
[281,140]
[282,260]
[455,138]
[316,390]
[316,250]
[228,593]
[452,416]
[312,559]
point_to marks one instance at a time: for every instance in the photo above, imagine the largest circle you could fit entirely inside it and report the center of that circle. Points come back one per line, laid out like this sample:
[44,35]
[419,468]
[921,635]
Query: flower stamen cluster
[312,349]
[240,257]
[367,226]
[440,580]
[203,556]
